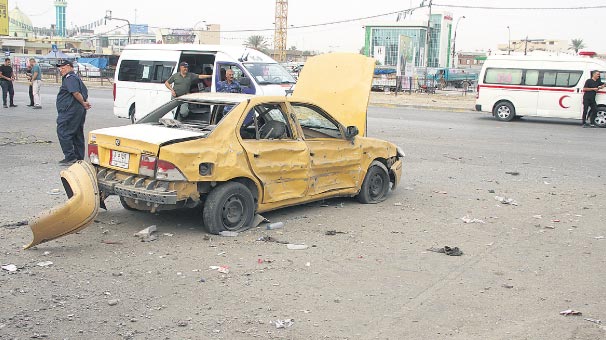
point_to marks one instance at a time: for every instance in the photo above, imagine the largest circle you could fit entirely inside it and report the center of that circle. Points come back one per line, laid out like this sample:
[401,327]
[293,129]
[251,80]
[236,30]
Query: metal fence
[52,75]
[393,83]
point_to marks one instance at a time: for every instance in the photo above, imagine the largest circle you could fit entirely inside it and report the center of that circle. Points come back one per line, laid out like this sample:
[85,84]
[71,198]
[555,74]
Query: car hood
[340,84]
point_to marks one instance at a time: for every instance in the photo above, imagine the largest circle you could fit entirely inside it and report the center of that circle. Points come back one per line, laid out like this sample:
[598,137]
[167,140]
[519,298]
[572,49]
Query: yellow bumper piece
[80,183]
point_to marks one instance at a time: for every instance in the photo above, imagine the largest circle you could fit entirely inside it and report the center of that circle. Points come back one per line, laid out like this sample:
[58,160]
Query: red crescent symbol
[561,102]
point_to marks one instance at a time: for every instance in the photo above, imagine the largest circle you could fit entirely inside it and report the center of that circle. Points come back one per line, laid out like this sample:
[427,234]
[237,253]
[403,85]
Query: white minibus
[143,68]
[538,86]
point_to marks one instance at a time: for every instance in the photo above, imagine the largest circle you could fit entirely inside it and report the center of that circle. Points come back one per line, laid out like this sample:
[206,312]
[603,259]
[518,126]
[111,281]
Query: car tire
[131,114]
[504,111]
[228,207]
[375,186]
[600,117]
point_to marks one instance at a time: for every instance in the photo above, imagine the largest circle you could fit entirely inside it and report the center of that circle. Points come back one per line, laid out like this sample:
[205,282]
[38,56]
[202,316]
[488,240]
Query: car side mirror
[351,132]
[244,81]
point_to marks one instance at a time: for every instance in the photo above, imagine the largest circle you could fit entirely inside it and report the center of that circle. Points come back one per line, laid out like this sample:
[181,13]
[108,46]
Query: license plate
[119,159]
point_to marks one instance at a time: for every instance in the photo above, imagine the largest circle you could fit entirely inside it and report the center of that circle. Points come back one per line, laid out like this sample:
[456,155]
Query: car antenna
[244,57]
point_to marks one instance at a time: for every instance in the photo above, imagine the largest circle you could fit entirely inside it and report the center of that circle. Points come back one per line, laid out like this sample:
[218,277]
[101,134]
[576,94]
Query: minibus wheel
[504,111]
[600,117]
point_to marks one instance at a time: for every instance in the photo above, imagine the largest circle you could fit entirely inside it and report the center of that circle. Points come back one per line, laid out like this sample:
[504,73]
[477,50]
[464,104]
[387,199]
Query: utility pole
[525,45]
[108,16]
[427,41]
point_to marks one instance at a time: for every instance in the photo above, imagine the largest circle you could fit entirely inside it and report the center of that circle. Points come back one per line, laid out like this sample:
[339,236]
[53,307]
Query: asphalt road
[522,265]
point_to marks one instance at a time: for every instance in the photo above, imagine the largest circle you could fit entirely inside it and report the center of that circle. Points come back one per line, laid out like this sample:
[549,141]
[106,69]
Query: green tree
[576,45]
[257,42]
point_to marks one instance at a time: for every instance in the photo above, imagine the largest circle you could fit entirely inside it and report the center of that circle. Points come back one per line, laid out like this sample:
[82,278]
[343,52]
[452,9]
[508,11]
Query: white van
[538,86]
[142,70]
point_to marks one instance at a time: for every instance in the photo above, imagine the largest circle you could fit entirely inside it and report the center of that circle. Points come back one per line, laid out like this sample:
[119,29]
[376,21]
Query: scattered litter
[284,323]
[146,234]
[513,173]
[450,251]
[490,191]
[168,234]
[570,312]
[307,264]
[556,220]
[275,225]
[271,239]
[537,216]
[505,200]
[324,205]
[10,268]
[506,285]
[467,219]
[258,219]
[221,253]
[333,232]
[549,227]
[599,237]
[113,302]
[227,233]
[202,280]
[440,192]
[45,263]
[54,192]
[46,253]
[14,225]
[223,269]
[292,246]
[546,183]
[398,204]
[111,242]
[599,322]
[489,244]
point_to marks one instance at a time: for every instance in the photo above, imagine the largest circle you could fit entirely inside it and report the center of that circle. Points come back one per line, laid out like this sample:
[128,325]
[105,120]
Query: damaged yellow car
[235,155]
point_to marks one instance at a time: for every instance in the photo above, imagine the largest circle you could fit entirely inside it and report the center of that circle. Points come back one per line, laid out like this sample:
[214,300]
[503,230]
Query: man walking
[36,82]
[71,109]
[6,81]
[592,86]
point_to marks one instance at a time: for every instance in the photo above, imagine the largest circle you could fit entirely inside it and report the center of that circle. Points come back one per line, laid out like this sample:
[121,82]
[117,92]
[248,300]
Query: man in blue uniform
[229,84]
[71,108]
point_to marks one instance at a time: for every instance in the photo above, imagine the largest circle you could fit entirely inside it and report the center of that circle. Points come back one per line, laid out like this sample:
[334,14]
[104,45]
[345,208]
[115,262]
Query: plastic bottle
[228,233]
[275,225]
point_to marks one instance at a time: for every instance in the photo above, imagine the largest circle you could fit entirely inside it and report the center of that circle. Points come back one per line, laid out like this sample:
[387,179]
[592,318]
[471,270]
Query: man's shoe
[592,125]
[13,105]
[66,161]
[5,106]
[37,107]
[30,105]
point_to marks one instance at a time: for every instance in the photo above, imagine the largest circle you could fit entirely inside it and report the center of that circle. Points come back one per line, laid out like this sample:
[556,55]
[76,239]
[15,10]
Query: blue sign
[138,29]
[7,53]
[54,48]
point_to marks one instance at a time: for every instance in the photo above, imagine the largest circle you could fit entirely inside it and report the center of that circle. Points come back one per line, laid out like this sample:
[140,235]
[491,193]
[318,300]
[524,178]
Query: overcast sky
[482,29]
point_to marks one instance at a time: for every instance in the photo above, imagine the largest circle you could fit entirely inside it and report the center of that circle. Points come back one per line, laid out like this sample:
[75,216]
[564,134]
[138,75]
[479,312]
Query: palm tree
[257,42]
[576,45]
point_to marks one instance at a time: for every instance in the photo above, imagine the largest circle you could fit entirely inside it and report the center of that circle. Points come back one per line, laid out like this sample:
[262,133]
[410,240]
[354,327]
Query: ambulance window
[532,77]
[503,76]
[574,78]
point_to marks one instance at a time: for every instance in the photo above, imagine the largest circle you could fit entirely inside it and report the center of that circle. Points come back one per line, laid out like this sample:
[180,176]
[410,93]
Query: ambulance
[513,86]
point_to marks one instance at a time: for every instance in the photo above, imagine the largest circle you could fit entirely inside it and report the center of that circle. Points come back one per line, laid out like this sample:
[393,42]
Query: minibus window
[532,77]
[574,78]
[503,76]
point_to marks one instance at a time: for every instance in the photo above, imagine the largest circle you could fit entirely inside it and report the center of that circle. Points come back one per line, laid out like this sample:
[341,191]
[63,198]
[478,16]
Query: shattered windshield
[266,74]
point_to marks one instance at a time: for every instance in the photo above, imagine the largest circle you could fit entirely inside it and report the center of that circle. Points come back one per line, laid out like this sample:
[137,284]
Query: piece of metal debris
[505,200]
[570,312]
[333,232]
[10,268]
[271,239]
[467,219]
[599,322]
[450,251]
[292,246]
[13,225]
[284,323]
[513,173]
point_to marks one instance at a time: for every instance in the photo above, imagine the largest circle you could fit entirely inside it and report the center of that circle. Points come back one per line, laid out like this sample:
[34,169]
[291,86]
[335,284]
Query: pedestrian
[592,86]
[71,112]
[229,85]
[6,81]
[28,75]
[181,84]
[35,83]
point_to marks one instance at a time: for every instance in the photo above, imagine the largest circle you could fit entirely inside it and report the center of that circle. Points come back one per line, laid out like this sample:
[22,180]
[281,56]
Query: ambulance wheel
[228,207]
[504,111]
[600,117]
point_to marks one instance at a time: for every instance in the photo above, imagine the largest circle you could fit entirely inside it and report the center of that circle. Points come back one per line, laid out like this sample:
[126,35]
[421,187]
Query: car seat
[273,129]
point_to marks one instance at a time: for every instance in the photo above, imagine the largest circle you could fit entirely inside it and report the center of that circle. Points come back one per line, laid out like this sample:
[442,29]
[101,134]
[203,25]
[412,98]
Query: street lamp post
[108,16]
[454,41]
[508,40]
[197,32]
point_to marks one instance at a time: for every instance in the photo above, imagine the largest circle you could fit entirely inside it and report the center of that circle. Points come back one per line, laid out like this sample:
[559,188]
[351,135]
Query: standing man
[182,81]
[592,86]
[71,108]
[36,82]
[6,81]
[229,84]
[28,75]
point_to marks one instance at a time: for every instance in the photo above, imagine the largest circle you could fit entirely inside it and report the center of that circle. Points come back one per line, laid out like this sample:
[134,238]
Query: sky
[480,30]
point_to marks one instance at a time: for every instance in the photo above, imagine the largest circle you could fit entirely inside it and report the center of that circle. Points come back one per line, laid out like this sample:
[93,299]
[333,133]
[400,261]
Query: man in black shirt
[6,81]
[592,86]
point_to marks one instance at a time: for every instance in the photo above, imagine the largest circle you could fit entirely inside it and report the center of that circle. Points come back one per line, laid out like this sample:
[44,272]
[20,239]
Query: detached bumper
[77,213]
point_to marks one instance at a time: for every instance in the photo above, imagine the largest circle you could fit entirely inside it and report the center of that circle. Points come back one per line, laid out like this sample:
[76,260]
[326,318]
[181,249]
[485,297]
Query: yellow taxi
[235,155]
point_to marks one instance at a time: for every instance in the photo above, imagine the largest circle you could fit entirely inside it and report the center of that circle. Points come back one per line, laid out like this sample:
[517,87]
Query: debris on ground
[505,200]
[220,269]
[599,322]
[10,268]
[398,204]
[467,219]
[513,173]
[55,192]
[271,239]
[450,251]
[227,233]
[284,323]
[113,302]
[293,246]
[45,263]
[13,225]
[506,285]
[258,219]
[599,237]
[440,192]
[275,225]
[570,312]
[146,234]
[334,232]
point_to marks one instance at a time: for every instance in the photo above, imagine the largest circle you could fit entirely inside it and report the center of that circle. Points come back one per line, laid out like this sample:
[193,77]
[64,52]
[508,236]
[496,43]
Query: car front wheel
[229,207]
[504,111]
[375,186]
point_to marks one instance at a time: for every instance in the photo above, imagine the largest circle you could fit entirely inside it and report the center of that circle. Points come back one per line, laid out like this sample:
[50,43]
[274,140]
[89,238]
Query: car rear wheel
[229,207]
[504,111]
[600,117]
[375,186]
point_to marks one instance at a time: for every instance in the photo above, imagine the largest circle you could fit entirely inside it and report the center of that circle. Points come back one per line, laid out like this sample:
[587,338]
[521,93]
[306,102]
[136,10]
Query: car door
[278,159]
[335,161]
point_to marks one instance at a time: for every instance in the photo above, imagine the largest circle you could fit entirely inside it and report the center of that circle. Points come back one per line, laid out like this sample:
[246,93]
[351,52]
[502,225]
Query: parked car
[234,155]
[87,70]
[47,67]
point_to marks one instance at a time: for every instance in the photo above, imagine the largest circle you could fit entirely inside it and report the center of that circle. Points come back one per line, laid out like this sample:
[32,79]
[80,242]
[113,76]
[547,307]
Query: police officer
[71,109]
